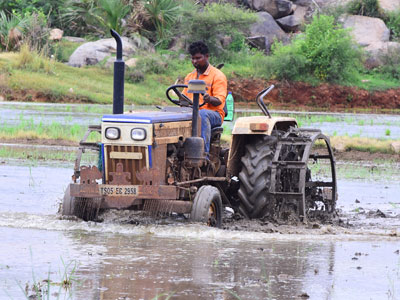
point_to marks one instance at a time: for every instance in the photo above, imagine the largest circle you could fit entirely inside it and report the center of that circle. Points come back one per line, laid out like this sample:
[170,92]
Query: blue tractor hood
[148,117]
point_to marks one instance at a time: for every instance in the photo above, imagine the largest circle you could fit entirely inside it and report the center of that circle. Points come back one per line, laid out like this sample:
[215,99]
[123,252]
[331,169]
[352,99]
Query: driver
[212,113]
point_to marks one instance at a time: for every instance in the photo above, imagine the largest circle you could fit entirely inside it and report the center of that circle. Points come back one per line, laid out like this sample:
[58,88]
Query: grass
[28,129]
[375,171]
[362,144]
[94,84]
[88,84]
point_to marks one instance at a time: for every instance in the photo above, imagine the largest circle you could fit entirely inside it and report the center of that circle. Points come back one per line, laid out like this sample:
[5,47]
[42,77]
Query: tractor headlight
[138,134]
[113,133]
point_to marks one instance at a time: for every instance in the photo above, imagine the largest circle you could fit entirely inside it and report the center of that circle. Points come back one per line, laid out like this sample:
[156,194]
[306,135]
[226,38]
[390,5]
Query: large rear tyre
[255,177]
[207,206]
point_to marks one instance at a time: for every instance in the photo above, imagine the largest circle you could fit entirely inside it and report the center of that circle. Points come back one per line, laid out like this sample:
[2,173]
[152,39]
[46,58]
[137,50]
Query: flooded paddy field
[134,256]
[382,126]
[131,256]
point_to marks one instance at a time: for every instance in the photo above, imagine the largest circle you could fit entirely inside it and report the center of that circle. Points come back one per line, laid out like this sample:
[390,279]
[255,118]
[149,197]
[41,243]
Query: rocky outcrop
[92,53]
[366,30]
[265,32]
[276,8]
[376,53]
[293,22]
[389,5]
[373,35]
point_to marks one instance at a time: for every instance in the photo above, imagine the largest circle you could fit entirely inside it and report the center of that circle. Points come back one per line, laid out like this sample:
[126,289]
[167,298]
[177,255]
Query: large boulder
[92,53]
[389,5]
[276,8]
[294,21]
[265,31]
[377,51]
[366,30]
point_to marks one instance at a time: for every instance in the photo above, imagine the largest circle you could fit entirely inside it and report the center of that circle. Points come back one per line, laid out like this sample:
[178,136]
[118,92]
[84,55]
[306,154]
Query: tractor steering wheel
[182,98]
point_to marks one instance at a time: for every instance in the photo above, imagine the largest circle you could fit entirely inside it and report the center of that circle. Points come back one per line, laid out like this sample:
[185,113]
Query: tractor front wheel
[83,208]
[207,206]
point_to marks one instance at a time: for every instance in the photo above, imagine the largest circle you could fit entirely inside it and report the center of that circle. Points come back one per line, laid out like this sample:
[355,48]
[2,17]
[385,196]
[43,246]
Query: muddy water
[341,124]
[118,260]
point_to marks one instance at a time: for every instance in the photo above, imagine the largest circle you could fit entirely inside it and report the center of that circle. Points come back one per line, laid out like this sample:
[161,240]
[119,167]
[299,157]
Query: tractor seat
[216,133]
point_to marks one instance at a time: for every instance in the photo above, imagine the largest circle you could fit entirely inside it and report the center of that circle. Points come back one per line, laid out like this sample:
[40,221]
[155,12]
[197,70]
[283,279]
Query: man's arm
[214,101]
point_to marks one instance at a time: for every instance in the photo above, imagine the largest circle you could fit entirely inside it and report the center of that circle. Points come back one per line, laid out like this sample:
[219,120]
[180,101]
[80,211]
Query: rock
[1,98]
[265,31]
[74,39]
[92,53]
[277,8]
[56,34]
[395,146]
[389,5]
[131,63]
[290,23]
[376,51]
[366,30]
[226,41]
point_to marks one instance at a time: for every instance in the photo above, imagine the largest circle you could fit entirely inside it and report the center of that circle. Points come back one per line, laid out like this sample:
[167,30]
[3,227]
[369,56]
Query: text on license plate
[115,190]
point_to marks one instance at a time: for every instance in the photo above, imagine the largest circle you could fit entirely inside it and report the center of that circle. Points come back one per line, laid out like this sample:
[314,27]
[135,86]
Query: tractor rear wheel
[255,177]
[207,206]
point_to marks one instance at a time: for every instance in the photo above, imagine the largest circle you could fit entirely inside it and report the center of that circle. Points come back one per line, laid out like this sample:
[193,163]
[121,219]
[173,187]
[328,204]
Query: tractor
[154,161]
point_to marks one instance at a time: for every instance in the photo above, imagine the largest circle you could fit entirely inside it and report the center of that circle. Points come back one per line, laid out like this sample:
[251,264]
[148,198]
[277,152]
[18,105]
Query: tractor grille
[130,165]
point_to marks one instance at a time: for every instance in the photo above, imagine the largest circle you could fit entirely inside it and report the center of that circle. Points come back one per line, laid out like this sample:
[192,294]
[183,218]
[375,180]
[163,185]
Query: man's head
[199,52]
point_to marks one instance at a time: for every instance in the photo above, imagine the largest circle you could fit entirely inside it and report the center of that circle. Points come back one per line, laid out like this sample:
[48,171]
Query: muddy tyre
[68,203]
[255,177]
[83,208]
[207,206]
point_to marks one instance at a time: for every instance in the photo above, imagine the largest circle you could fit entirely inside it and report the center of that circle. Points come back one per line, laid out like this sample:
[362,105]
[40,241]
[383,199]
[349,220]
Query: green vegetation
[374,171]
[27,129]
[325,52]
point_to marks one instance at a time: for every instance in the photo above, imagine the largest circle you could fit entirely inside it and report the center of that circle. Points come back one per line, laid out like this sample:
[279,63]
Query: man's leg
[209,119]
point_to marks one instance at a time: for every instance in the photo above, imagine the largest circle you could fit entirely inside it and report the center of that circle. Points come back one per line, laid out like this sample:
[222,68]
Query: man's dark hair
[198,47]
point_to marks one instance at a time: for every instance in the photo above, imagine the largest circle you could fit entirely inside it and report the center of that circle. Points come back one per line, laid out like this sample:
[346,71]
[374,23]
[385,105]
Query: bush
[390,64]
[392,20]
[215,21]
[325,52]
[285,63]
[330,51]
[369,8]
[94,16]
[151,64]
[33,61]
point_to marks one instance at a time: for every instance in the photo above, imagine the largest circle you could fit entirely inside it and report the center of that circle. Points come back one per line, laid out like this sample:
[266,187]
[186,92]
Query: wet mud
[131,255]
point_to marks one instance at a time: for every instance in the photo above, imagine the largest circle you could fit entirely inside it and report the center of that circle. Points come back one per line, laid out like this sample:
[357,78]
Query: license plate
[117,190]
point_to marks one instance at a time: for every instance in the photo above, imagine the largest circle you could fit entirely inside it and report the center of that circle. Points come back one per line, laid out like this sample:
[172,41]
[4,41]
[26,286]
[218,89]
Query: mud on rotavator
[154,161]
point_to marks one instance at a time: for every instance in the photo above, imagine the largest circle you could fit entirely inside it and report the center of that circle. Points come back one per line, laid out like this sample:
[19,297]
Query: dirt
[303,96]
[354,155]
[363,222]
[29,95]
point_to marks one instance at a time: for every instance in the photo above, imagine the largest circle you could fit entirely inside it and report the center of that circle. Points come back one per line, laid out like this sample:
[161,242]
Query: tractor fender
[249,126]
[262,125]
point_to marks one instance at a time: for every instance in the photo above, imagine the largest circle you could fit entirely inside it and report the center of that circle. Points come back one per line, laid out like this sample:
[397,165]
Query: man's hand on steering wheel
[182,100]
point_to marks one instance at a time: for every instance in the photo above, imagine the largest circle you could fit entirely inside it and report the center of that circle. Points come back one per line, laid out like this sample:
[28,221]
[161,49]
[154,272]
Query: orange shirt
[216,86]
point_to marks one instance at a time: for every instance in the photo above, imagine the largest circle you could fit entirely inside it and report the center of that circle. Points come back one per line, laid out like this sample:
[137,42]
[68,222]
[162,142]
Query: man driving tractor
[212,113]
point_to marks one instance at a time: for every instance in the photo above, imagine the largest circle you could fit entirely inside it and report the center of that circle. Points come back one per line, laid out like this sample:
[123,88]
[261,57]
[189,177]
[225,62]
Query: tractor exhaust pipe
[194,145]
[119,74]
